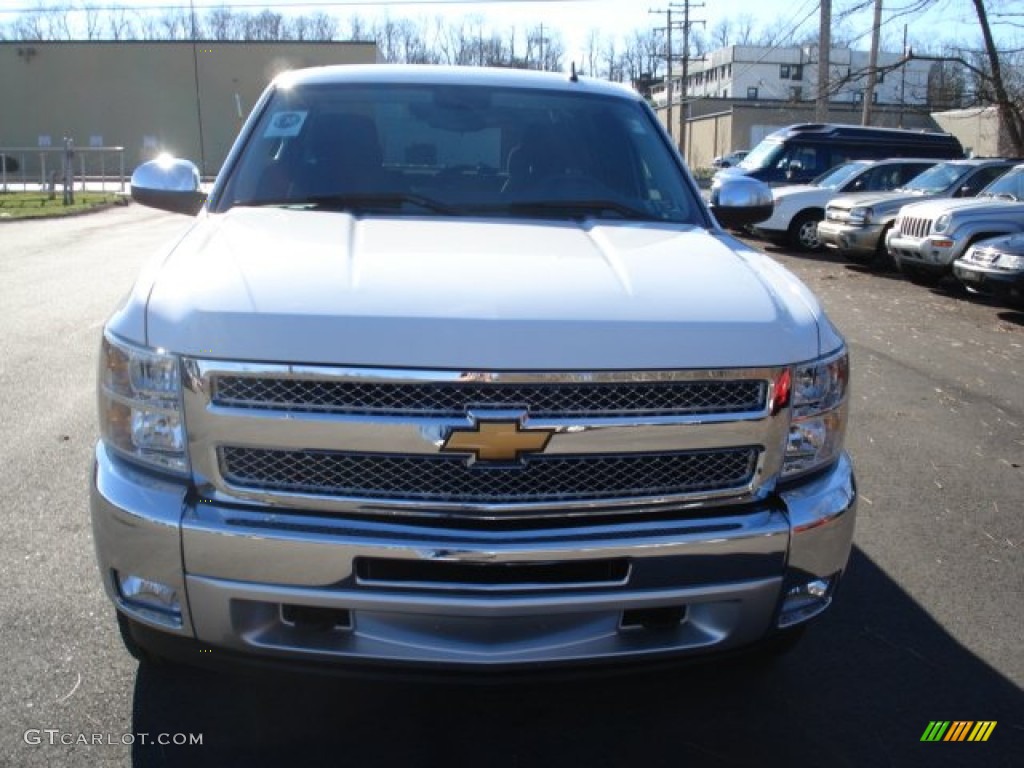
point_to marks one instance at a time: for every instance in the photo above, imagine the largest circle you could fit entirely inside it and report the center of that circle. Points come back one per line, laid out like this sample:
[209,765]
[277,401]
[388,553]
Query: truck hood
[392,291]
[971,206]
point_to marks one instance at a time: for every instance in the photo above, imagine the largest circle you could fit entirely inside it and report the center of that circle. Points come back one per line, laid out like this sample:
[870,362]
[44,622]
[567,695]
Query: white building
[791,74]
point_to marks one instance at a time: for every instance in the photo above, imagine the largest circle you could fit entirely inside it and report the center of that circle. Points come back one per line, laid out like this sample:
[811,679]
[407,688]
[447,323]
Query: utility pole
[824,55]
[199,101]
[903,76]
[684,102]
[869,91]
[671,57]
[668,54]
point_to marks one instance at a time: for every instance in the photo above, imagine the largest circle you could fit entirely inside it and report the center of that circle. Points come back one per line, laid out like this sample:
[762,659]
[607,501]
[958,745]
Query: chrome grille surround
[620,438]
[914,226]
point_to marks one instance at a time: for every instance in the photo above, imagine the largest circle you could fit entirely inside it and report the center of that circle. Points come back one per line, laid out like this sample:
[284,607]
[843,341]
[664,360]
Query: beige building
[145,95]
[978,129]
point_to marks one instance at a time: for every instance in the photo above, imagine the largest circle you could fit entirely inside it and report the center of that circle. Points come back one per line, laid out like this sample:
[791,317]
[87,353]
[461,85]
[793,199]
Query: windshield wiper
[574,208]
[383,199]
[358,201]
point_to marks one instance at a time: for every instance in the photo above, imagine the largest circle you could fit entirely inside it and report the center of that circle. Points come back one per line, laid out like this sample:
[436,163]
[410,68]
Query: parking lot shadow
[1015,317]
[860,691]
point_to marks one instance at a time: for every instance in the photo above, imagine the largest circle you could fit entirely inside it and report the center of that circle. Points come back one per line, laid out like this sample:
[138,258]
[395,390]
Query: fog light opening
[665,617]
[148,598]
[805,601]
[315,618]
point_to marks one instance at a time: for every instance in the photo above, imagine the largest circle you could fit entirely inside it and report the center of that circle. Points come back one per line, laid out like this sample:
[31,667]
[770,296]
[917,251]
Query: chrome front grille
[451,480]
[362,440]
[914,226]
[454,399]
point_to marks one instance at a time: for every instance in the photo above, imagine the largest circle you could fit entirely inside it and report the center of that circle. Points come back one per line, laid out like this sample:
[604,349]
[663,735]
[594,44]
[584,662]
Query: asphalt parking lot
[927,627]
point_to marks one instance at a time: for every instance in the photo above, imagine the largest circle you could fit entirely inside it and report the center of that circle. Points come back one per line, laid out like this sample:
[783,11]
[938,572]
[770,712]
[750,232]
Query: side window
[910,170]
[980,179]
[802,158]
[875,180]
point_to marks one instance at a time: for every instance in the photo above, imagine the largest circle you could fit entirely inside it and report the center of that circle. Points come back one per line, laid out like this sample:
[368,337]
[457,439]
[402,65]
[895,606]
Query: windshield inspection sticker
[284,125]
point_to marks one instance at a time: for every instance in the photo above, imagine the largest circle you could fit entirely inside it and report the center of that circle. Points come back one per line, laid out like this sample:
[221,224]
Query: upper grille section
[914,226]
[444,479]
[454,399]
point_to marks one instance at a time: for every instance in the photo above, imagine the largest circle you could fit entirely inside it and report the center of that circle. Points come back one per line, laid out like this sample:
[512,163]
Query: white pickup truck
[455,369]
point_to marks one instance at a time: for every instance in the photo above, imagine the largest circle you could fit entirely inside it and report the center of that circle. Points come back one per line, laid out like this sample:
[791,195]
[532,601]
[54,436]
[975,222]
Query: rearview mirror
[170,184]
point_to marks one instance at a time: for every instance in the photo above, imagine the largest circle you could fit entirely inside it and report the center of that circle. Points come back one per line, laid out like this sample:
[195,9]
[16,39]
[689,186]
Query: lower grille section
[444,479]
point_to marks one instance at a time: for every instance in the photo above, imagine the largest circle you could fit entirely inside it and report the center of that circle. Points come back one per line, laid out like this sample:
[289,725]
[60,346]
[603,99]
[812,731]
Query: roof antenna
[573,77]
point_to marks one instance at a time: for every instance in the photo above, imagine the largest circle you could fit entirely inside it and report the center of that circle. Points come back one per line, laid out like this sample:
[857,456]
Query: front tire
[803,232]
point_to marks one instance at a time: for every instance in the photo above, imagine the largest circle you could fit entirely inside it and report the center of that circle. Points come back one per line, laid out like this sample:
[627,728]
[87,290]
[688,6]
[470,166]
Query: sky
[573,19]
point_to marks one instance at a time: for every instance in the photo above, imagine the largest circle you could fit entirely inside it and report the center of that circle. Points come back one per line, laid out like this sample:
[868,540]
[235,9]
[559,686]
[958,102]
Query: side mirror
[740,200]
[170,184]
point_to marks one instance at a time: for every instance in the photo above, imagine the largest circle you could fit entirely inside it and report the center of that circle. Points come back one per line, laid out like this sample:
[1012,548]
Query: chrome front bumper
[922,252]
[849,239]
[243,575]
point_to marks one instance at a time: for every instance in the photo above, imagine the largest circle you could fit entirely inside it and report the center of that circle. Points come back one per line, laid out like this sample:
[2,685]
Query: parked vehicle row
[928,237]
[962,218]
[856,226]
[797,209]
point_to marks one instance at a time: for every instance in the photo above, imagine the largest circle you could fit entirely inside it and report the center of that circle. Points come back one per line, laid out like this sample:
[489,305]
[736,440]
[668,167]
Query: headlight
[140,405]
[860,216]
[1011,262]
[941,223]
[818,404]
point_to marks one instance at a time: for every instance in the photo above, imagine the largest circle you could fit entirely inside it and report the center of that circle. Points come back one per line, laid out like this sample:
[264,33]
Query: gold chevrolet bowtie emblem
[497,440]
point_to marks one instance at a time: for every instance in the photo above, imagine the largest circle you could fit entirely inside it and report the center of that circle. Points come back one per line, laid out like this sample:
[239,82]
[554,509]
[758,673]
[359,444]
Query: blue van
[800,153]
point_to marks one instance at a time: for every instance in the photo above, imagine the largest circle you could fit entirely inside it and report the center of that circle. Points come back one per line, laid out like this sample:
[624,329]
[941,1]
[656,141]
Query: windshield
[762,156]
[937,179]
[1009,186]
[459,150]
[839,175]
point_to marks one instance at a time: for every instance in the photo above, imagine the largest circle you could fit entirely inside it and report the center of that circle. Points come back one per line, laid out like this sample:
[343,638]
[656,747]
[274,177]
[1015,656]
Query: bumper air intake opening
[315,619]
[664,617]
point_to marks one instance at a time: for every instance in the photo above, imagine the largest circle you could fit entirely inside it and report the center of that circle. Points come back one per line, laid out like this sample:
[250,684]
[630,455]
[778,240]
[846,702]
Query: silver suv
[928,237]
[856,225]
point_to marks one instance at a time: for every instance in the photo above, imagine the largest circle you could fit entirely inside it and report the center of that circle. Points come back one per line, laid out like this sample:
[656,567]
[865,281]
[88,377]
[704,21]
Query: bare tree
[265,25]
[745,30]
[29,26]
[92,18]
[722,34]
[359,29]
[1011,110]
[119,25]
[175,24]
[297,28]
[322,27]
[221,24]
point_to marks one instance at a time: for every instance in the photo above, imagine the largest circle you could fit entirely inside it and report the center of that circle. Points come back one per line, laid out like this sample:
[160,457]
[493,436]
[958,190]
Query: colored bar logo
[958,730]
